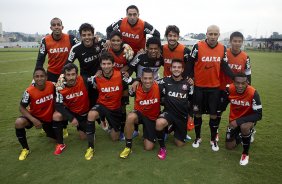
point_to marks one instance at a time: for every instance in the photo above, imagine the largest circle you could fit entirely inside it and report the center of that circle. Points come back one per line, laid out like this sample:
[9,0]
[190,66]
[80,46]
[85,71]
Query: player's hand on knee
[37,124]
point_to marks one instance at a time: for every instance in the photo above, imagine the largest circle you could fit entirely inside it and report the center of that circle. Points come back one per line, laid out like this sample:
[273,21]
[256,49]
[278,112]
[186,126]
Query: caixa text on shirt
[240,102]
[110,89]
[44,99]
[211,59]
[58,50]
[73,95]
[130,35]
[148,102]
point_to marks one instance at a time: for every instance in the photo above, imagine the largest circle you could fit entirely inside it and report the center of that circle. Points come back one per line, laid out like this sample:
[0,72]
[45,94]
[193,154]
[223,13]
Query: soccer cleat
[253,135]
[135,134]
[187,138]
[162,153]
[197,142]
[25,152]
[125,153]
[244,159]
[59,149]
[89,153]
[105,125]
[65,133]
[121,136]
[214,145]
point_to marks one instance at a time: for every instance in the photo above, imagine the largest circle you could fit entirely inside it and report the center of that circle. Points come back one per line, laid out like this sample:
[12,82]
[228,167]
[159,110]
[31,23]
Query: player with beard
[37,108]
[72,104]
[133,29]
[245,111]
[177,94]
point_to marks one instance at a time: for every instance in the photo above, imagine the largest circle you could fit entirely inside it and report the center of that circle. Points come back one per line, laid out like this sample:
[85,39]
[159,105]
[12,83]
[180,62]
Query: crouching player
[177,95]
[245,111]
[146,111]
[72,104]
[111,86]
[39,96]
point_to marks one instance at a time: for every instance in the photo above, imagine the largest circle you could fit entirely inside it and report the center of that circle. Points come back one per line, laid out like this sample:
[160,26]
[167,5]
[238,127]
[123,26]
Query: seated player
[245,111]
[39,96]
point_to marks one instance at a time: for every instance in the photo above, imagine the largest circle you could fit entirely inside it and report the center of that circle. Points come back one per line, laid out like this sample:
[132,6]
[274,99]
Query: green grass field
[183,165]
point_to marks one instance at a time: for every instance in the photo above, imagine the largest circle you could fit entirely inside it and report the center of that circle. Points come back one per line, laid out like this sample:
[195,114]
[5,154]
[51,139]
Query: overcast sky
[252,17]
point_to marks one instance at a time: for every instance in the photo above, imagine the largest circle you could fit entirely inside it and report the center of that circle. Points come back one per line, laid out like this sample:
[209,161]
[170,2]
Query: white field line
[7,73]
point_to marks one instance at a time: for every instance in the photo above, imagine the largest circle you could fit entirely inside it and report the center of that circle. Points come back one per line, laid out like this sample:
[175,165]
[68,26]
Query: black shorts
[82,121]
[47,127]
[149,126]
[114,117]
[205,100]
[52,77]
[223,101]
[179,124]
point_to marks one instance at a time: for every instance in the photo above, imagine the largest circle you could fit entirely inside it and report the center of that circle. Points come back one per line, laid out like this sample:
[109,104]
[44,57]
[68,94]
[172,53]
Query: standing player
[72,104]
[177,95]
[207,58]
[133,29]
[57,46]
[146,111]
[173,49]
[39,96]
[245,111]
[110,85]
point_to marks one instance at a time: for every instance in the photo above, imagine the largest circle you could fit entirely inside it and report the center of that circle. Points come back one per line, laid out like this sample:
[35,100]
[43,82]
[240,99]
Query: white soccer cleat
[214,145]
[253,136]
[197,142]
[244,159]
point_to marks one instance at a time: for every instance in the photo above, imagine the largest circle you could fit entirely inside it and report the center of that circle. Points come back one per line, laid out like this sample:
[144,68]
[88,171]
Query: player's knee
[82,135]
[160,124]
[92,115]
[148,146]
[131,118]
[246,128]
[57,116]
[230,145]
[179,143]
[20,123]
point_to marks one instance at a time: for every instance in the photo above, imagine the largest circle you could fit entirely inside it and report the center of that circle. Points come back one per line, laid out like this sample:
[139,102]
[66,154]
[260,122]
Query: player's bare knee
[20,123]
[179,143]
[246,128]
[114,135]
[148,145]
[92,115]
[57,116]
[131,118]
[160,124]
[230,145]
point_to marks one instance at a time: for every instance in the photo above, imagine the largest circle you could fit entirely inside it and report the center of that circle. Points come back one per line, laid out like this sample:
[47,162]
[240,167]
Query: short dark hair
[176,60]
[240,74]
[132,7]
[115,33]
[86,27]
[56,18]
[153,40]
[69,67]
[147,70]
[39,69]
[107,56]
[172,28]
[236,34]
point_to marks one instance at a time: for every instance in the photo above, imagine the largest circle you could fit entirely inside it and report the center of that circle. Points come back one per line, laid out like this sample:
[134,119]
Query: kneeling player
[245,110]
[177,95]
[146,111]
[72,104]
[40,98]
[110,85]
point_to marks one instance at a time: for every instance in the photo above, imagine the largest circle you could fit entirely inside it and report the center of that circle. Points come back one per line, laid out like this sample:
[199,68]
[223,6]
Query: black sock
[213,128]
[160,136]
[58,129]
[198,125]
[246,139]
[90,131]
[65,124]
[21,135]
[128,143]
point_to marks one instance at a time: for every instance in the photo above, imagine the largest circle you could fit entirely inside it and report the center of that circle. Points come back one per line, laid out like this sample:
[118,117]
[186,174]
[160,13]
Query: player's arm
[23,105]
[113,27]
[73,40]
[41,54]
[59,106]
[186,56]
[161,84]
[248,71]
[225,67]
[257,109]
[149,29]
[189,66]
[72,55]
[133,65]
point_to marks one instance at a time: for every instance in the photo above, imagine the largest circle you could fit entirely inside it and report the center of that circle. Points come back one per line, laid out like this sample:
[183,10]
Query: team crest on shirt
[184,87]
[157,63]
[97,49]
